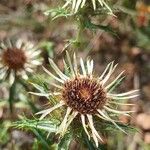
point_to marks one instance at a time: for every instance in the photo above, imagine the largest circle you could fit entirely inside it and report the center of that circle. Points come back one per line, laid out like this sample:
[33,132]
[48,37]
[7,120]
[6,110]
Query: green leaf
[4,134]
[25,123]
[38,127]
[88,24]
[115,84]
[40,137]
[108,126]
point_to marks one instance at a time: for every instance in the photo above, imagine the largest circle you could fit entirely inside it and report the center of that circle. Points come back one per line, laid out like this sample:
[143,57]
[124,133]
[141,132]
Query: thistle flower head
[17,58]
[78,4]
[14,58]
[85,95]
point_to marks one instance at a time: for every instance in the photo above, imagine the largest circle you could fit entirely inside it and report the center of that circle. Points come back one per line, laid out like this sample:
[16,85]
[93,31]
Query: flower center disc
[14,58]
[84,95]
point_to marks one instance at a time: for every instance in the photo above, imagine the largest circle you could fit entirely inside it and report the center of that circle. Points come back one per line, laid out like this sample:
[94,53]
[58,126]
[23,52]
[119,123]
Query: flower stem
[31,104]
[79,36]
[12,92]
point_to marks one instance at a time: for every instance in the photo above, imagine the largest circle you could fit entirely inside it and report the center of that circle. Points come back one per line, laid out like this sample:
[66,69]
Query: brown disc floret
[14,58]
[84,95]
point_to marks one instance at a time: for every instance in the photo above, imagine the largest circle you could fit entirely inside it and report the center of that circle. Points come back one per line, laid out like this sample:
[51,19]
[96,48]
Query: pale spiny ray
[66,67]
[37,86]
[90,118]
[77,5]
[94,4]
[70,64]
[123,104]
[100,1]
[35,62]
[84,125]
[23,74]
[47,111]
[75,64]
[70,119]
[45,94]
[74,4]
[101,117]
[90,66]
[82,67]
[57,70]
[19,43]
[94,132]
[109,119]
[122,98]
[107,6]
[117,111]
[67,3]
[53,76]
[126,93]
[10,45]
[3,46]
[11,77]
[114,81]
[83,3]
[56,85]
[29,70]
[63,124]
[104,72]
[35,53]
[111,70]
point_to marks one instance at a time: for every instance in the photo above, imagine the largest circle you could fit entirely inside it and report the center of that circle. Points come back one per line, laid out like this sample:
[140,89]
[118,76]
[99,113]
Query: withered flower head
[17,58]
[85,95]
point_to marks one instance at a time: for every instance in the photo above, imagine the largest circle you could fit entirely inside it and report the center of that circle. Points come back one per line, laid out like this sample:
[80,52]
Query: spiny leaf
[40,137]
[116,84]
[25,123]
[108,126]
[88,24]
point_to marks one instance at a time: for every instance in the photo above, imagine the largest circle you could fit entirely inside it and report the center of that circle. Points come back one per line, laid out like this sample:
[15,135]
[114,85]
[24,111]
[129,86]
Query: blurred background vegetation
[124,38]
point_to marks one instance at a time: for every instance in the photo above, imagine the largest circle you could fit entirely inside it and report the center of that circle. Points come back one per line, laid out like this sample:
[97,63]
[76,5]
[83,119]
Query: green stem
[79,33]
[33,107]
[79,38]
[12,92]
